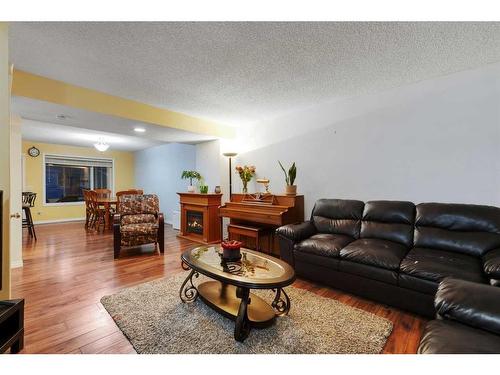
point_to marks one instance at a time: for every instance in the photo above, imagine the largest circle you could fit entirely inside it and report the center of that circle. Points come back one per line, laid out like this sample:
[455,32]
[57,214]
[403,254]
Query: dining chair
[29,202]
[96,217]
[88,208]
[103,193]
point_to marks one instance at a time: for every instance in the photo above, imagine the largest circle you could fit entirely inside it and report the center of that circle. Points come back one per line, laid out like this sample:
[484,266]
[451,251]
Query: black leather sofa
[394,252]
[468,320]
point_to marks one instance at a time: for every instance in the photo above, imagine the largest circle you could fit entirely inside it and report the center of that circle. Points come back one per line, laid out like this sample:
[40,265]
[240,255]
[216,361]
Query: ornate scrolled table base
[239,304]
[188,291]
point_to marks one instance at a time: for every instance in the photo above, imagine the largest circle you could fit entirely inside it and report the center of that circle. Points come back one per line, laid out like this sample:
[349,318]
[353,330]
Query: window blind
[78,161]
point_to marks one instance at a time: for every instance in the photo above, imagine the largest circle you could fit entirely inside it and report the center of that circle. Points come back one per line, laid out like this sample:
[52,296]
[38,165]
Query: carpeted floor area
[154,319]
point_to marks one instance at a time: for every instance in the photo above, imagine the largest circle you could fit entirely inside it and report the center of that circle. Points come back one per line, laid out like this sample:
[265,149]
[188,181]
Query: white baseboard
[16,263]
[58,220]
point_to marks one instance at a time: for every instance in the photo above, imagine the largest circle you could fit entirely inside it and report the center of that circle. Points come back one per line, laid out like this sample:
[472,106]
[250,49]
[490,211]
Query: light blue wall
[158,171]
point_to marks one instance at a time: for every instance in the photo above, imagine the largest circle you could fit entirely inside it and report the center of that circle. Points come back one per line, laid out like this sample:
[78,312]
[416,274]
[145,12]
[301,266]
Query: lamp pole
[230,155]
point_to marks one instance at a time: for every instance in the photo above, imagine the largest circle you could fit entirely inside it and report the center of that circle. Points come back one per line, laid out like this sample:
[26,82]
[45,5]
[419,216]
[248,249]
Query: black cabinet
[12,325]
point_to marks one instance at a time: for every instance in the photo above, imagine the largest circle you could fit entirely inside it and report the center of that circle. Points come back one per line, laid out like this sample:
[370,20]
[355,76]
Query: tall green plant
[292,173]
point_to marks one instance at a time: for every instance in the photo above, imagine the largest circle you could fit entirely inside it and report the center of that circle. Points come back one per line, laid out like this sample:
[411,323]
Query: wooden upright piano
[264,213]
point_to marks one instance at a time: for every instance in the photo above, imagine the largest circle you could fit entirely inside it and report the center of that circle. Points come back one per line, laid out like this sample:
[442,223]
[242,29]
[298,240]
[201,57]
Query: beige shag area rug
[154,319]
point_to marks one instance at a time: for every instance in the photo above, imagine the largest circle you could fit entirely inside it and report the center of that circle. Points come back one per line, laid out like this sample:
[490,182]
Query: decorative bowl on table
[231,250]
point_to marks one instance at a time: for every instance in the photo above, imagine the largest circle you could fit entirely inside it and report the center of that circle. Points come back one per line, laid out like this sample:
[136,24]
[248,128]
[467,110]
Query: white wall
[437,140]
[209,163]
[16,189]
[158,171]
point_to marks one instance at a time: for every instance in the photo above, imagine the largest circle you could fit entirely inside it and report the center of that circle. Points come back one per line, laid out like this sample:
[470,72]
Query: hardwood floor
[68,270]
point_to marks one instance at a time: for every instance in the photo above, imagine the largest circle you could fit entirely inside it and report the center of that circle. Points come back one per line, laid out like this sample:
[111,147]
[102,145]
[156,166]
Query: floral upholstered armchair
[138,222]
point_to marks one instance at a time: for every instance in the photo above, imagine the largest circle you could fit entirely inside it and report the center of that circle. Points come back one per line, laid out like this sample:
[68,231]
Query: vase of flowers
[246,173]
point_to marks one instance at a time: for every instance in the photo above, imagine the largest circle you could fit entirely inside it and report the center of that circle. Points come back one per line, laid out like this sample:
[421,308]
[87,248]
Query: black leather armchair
[468,319]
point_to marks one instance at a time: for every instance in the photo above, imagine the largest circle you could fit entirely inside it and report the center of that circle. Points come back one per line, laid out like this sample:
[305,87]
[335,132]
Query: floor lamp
[230,155]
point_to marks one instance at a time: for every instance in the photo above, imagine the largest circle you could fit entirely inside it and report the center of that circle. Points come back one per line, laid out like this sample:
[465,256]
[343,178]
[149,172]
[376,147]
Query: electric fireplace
[194,222]
[200,220]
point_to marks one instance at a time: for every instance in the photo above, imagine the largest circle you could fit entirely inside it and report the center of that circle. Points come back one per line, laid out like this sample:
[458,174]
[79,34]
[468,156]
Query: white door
[16,190]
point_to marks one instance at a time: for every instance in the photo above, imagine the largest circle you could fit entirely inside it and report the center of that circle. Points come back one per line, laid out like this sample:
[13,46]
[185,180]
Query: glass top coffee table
[229,291]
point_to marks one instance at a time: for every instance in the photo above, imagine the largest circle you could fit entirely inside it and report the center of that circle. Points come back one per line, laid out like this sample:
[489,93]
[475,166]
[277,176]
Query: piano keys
[267,212]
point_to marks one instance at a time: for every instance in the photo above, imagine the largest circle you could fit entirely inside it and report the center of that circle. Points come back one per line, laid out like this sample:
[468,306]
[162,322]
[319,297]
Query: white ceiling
[83,128]
[237,73]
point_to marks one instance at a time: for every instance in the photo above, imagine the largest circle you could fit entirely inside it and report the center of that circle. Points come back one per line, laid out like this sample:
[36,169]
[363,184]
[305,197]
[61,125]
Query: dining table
[107,203]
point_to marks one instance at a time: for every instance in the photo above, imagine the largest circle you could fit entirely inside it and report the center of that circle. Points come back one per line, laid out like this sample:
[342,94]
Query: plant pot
[291,190]
[190,189]
[204,189]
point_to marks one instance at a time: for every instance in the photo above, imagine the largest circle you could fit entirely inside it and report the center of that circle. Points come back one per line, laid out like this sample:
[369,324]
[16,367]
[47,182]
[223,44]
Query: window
[66,177]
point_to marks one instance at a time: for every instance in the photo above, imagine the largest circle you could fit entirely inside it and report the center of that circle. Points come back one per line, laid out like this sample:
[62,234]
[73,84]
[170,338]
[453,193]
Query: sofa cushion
[318,260]
[137,229]
[418,284]
[139,204]
[464,228]
[138,218]
[370,272]
[324,244]
[444,336]
[435,265]
[374,252]
[389,220]
[338,216]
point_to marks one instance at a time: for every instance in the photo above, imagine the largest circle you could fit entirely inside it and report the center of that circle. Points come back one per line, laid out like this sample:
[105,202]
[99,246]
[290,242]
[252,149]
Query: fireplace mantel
[206,208]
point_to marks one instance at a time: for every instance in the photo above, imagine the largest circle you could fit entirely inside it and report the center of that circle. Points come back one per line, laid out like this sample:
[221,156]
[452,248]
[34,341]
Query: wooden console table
[12,325]
[200,221]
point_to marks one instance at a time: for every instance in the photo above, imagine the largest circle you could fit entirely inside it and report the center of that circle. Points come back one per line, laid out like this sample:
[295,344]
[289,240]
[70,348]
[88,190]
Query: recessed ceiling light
[139,130]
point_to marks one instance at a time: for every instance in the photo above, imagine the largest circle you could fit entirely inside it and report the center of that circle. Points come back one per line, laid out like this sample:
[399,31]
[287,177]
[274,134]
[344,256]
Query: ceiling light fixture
[101,146]
[139,130]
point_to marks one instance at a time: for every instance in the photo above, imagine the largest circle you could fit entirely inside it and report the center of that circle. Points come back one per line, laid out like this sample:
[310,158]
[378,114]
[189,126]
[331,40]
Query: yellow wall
[123,171]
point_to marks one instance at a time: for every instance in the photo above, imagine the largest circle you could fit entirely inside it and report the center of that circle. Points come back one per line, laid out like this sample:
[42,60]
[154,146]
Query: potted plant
[291,189]
[190,175]
[246,173]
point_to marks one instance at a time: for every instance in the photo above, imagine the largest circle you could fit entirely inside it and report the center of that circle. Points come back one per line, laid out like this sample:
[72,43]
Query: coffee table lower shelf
[223,299]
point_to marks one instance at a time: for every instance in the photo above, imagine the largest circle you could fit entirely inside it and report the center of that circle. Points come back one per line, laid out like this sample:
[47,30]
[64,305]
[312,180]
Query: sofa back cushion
[139,204]
[389,220]
[338,216]
[464,228]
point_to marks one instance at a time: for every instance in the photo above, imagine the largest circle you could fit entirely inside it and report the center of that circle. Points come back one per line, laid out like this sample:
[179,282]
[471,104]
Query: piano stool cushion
[324,244]
[375,252]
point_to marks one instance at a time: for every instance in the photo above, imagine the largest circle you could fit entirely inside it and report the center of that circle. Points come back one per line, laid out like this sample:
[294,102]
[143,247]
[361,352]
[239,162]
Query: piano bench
[236,231]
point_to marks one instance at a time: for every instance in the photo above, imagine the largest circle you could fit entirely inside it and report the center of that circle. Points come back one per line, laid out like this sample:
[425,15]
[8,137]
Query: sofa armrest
[491,264]
[297,232]
[289,235]
[474,304]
